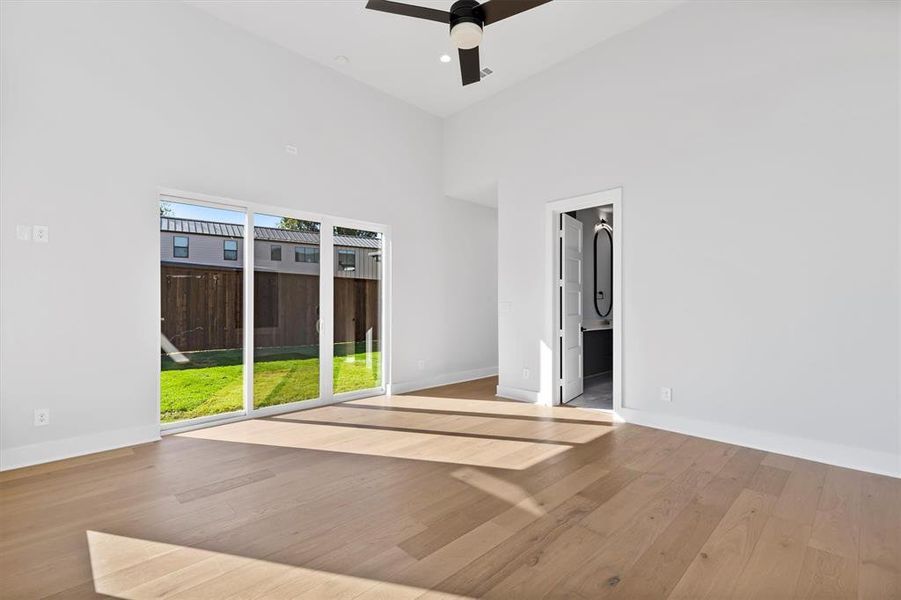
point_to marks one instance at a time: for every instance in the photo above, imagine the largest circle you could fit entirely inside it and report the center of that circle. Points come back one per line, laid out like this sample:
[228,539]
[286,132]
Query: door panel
[201,311]
[571,308]
[357,310]
[285,310]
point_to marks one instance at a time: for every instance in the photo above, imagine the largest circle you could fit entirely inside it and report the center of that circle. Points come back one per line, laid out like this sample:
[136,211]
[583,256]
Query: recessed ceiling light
[445,58]
[341,59]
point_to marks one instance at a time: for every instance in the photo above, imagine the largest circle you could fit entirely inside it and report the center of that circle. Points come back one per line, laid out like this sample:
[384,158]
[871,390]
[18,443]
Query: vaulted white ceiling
[400,55]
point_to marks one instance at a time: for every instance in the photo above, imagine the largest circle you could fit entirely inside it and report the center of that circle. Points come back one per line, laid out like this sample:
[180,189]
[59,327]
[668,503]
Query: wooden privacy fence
[202,308]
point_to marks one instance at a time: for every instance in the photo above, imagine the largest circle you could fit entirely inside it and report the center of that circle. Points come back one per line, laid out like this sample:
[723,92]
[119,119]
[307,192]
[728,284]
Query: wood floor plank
[663,564]
[446,493]
[880,538]
[769,480]
[836,527]
[801,494]
[714,570]
[632,541]
[826,576]
[774,567]
[223,486]
[524,547]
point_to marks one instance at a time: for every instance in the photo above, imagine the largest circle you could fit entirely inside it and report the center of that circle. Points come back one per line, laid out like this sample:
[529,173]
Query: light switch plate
[23,233]
[41,234]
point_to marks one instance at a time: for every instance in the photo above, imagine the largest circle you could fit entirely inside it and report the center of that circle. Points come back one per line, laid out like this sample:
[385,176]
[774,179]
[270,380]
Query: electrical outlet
[40,233]
[291,149]
[666,394]
[420,365]
[525,374]
[41,417]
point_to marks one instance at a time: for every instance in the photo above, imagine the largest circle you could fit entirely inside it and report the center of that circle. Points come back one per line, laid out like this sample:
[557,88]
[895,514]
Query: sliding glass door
[285,310]
[201,312]
[357,309]
[303,327]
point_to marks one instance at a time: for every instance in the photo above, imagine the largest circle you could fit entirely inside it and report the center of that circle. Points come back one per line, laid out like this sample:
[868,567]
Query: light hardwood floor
[446,493]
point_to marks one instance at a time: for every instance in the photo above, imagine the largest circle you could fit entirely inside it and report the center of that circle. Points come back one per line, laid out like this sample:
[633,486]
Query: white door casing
[570,308]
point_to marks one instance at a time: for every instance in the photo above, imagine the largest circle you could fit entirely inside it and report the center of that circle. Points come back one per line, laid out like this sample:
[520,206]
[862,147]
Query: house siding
[208,250]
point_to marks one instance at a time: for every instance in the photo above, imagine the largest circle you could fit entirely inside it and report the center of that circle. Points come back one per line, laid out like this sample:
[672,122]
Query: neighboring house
[201,265]
[221,245]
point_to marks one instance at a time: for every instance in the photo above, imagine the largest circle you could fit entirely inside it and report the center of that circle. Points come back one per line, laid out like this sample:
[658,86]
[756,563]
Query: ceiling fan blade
[470,69]
[409,10]
[495,10]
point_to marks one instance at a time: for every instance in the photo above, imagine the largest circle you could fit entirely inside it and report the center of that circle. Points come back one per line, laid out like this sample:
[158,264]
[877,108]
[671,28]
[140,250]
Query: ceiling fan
[466,19]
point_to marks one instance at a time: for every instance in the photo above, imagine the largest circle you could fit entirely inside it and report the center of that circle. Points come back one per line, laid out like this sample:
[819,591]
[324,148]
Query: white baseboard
[444,379]
[512,393]
[861,459]
[35,454]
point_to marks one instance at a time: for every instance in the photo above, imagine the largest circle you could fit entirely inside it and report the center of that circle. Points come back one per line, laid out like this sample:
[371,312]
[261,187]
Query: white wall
[103,103]
[727,124]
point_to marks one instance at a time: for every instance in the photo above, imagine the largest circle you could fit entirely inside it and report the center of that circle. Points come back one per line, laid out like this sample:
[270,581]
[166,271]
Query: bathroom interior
[597,307]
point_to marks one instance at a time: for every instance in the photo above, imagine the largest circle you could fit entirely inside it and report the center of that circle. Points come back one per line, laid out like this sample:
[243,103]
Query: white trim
[512,393]
[266,411]
[439,380]
[851,457]
[358,394]
[326,308]
[248,292]
[385,315]
[175,427]
[44,452]
[553,209]
[216,419]
[267,209]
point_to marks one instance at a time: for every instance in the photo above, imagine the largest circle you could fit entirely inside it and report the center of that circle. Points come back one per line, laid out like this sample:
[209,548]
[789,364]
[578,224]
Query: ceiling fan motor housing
[466,11]
[466,22]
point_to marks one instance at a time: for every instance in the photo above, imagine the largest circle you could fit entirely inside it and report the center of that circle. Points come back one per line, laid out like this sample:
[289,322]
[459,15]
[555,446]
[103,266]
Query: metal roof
[271,234]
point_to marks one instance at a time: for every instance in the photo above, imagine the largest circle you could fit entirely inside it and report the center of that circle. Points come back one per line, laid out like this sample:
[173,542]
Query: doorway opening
[587,313]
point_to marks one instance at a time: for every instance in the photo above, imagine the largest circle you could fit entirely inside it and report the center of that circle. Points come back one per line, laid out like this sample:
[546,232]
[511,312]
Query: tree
[166,209]
[297,225]
[301,225]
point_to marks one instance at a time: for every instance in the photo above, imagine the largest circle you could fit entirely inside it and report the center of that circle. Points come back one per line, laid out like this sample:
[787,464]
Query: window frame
[176,247]
[306,254]
[226,250]
[344,266]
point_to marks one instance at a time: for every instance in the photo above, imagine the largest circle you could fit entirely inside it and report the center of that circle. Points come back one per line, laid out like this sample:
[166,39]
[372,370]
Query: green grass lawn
[212,382]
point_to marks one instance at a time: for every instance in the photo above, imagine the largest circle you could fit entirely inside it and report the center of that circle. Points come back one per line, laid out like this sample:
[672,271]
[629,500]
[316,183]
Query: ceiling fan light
[466,36]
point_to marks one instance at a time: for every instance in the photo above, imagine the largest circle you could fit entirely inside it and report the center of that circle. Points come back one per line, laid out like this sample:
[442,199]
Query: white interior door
[570,308]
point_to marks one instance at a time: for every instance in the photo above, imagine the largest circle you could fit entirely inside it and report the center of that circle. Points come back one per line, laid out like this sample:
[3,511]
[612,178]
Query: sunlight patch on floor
[498,408]
[412,445]
[497,487]
[135,569]
[536,430]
